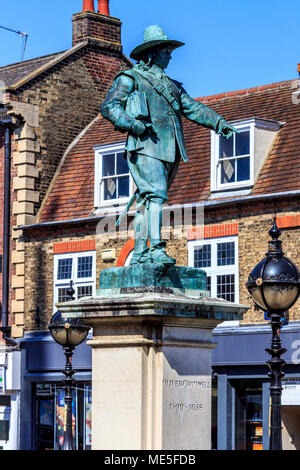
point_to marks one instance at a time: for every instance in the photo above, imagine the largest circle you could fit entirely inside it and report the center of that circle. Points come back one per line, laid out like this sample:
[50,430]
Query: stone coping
[154,305]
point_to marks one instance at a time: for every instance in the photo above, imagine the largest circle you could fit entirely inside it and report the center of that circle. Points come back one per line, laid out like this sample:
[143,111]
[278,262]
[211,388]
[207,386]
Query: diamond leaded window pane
[115,176]
[110,188]
[234,158]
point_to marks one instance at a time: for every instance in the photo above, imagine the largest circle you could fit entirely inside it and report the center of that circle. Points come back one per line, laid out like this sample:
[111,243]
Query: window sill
[111,208]
[230,191]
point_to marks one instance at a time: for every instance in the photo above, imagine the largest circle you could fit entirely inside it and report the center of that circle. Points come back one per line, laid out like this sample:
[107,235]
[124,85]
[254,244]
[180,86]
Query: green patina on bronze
[178,279]
[148,105]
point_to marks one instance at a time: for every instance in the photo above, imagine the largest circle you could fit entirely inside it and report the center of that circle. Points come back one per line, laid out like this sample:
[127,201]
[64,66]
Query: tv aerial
[24,36]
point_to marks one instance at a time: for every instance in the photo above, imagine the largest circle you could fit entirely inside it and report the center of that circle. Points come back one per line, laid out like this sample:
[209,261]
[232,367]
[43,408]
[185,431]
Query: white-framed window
[77,267]
[113,183]
[236,162]
[232,160]
[218,257]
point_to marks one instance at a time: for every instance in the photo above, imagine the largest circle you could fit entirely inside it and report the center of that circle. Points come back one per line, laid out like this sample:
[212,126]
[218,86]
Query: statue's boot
[157,246]
[158,254]
[141,250]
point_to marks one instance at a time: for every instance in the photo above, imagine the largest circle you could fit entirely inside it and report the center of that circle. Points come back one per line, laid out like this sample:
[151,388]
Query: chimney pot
[298,68]
[88,5]
[103,7]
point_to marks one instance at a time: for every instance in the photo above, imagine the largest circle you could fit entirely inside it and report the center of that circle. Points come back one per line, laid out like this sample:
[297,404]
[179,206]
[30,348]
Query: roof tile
[11,74]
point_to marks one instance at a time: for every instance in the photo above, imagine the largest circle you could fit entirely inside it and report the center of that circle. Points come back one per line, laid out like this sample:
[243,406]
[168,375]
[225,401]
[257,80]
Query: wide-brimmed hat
[154,36]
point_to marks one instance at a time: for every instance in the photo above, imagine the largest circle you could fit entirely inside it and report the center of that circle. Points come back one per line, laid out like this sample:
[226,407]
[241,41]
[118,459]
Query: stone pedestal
[151,378]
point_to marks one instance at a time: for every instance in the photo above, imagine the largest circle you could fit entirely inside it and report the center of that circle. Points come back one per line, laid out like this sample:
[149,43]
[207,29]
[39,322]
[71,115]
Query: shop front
[241,398]
[243,405]
[42,414]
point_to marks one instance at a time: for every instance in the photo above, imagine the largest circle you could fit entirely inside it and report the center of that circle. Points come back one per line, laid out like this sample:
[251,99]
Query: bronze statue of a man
[147,104]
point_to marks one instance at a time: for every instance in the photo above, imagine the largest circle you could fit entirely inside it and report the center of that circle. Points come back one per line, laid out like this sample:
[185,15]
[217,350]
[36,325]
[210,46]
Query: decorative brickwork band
[286,221]
[213,231]
[73,247]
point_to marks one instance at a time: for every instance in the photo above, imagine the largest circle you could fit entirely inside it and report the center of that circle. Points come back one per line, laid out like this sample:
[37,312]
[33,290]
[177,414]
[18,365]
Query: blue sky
[230,44]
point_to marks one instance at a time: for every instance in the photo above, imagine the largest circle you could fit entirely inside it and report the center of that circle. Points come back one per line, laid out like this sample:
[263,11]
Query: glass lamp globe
[68,332]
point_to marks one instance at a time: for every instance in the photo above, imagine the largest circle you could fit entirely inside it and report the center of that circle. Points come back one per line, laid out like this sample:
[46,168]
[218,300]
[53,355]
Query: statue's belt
[161,89]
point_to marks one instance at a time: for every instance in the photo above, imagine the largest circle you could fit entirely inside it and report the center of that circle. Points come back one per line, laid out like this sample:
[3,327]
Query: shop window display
[50,416]
[248,414]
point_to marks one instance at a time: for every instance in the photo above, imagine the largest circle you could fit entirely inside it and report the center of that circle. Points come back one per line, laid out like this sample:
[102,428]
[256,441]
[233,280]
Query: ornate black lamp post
[69,333]
[274,285]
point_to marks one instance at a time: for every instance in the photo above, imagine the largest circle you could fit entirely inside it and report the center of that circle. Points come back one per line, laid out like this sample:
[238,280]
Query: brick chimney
[101,27]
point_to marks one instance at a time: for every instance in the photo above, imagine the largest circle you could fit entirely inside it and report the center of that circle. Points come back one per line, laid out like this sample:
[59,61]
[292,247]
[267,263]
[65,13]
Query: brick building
[238,186]
[46,103]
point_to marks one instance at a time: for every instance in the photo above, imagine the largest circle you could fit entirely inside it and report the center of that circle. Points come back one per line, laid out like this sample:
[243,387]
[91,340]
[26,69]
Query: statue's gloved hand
[150,127]
[225,129]
[138,127]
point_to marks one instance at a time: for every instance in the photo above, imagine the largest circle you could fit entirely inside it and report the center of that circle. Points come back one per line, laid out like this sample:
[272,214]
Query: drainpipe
[6,238]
